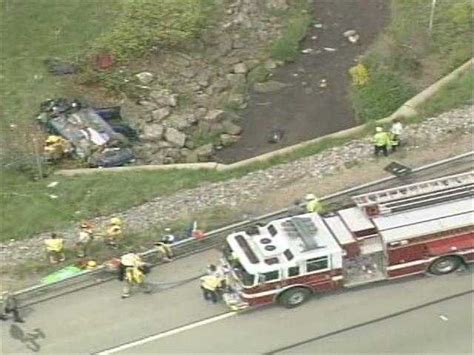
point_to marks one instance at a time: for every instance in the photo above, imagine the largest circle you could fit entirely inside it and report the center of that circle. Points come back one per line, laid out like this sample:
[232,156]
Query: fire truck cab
[417,228]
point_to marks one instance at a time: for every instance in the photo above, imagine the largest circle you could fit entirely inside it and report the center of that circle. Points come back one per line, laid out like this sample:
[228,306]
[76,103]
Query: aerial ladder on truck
[416,195]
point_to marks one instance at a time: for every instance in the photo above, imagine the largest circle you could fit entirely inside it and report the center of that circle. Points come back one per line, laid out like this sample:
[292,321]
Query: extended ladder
[417,195]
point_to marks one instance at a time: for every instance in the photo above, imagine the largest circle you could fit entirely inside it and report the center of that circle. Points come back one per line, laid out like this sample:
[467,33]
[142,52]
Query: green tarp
[62,274]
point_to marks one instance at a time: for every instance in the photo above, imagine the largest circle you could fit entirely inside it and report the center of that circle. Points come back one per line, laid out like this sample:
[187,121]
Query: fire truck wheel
[445,265]
[294,297]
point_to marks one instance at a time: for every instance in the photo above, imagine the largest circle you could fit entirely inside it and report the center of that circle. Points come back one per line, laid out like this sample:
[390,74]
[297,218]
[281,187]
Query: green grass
[455,94]
[33,30]
[407,58]
[286,48]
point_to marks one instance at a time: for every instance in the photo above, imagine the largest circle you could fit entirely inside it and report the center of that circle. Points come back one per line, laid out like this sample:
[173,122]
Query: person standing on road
[55,249]
[381,141]
[211,285]
[132,271]
[10,305]
[395,133]
[84,239]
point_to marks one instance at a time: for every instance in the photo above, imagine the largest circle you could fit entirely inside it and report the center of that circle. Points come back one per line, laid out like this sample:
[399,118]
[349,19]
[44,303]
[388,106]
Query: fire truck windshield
[243,276]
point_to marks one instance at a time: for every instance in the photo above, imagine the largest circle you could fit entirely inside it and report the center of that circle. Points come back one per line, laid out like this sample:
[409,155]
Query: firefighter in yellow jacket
[55,249]
[55,147]
[132,271]
[211,285]
[114,231]
[313,204]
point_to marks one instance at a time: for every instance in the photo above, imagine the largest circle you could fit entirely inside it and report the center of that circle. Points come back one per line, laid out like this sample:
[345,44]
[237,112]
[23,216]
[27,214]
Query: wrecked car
[93,139]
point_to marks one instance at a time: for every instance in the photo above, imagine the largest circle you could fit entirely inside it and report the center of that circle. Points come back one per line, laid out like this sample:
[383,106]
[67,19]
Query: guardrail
[189,246]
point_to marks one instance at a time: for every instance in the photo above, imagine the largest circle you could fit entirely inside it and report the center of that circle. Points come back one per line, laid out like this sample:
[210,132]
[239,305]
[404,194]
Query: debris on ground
[307,50]
[329,49]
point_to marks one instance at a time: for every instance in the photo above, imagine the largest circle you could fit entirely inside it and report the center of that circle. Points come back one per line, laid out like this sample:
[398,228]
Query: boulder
[215,115]
[164,98]
[189,144]
[279,5]
[175,137]
[204,127]
[202,99]
[200,113]
[218,86]
[145,77]
[204,152]
[188,73]
[236,80]
[192,158]
[177,121]
[269,86]
[240,68]
[270,64]
[203,78]
[152,132]
[228,139]
[216,128]
[161,113]
[231,128]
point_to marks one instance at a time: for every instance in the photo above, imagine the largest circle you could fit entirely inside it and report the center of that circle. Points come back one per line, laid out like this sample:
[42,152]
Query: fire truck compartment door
[445,247]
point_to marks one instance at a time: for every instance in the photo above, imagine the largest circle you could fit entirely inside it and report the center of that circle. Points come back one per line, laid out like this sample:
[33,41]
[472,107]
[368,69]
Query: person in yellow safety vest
[84,240]
[132,272]
[55,248]
[114,232]
[381,141]
[211,285]
[313,204]
[55,147]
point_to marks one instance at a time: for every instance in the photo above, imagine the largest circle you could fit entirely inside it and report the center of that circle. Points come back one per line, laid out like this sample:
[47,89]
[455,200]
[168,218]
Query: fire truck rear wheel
[445,265]
[294,297]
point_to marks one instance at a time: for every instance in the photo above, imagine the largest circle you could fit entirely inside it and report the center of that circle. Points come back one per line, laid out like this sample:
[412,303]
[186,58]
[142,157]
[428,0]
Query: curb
[408,109]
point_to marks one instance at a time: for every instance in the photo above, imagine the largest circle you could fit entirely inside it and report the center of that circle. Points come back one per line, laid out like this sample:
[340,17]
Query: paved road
[97,319]
[431,319]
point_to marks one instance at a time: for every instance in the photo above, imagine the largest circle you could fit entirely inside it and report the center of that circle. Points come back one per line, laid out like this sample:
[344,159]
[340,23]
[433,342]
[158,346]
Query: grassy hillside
[407,57]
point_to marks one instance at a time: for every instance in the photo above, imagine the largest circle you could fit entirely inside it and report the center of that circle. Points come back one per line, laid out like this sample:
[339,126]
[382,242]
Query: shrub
[382,95]
[286,48]
[147,23]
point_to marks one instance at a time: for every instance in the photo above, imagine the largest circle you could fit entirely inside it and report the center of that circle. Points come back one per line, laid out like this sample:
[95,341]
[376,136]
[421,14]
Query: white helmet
[310,197]
[378,129]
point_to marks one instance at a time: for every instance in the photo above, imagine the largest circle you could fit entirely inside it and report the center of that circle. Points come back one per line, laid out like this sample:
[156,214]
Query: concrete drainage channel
[186,247]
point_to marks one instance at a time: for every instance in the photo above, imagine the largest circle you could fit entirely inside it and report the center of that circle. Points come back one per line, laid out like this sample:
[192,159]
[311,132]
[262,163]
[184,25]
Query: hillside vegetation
[407,57]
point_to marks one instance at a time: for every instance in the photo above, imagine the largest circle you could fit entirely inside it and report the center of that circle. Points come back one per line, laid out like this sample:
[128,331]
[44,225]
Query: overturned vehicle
[97,135]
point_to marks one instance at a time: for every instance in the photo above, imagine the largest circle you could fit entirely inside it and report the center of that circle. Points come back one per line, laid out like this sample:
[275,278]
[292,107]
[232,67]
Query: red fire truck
[408,230]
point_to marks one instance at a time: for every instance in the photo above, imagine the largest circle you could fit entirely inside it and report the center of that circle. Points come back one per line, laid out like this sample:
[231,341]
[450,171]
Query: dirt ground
[303,110]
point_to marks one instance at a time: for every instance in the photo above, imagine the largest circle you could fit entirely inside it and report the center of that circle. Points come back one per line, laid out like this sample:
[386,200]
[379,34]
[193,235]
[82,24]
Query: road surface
[435,315]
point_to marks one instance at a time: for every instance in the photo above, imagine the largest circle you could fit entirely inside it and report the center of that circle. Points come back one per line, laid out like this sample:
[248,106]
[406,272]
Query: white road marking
[167,333]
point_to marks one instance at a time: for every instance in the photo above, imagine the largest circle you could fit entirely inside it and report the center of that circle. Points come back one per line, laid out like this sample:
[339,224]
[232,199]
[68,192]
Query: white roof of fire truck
[426,221]
[283,242]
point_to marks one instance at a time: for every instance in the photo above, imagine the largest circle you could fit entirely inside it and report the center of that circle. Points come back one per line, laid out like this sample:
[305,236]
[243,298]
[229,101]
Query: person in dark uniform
[10,305]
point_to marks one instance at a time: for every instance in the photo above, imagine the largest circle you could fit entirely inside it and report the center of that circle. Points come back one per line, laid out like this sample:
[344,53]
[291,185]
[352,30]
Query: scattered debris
[323,83]
[352,36]
[307,50]
[318,25]
[314,38]
[276,136]
[329,49]
[53,184]
[53,197]
[295,74]
[444,318]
